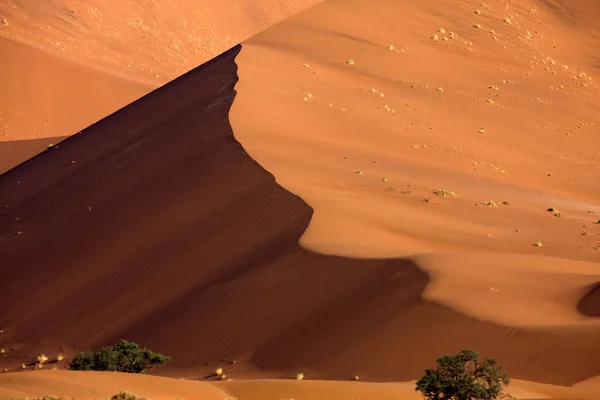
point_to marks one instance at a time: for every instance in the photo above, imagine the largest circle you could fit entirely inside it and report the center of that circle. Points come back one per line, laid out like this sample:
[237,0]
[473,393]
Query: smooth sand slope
[104,385]
[495,101]
[67,64]
[154,225]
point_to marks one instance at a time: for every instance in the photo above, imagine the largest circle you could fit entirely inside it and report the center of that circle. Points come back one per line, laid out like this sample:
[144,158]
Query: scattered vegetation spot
[444,193]
[554,211]
[463,376]
[124,395]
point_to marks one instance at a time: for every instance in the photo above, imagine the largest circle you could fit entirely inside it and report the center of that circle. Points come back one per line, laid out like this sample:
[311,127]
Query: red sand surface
[156,225]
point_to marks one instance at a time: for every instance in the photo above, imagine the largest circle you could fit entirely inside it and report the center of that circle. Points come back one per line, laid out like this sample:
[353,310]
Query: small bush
[124,395]
[122,357]
[463,377]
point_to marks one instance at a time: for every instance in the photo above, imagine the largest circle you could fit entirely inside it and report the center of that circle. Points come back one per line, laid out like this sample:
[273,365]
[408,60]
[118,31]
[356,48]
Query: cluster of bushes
[460,376]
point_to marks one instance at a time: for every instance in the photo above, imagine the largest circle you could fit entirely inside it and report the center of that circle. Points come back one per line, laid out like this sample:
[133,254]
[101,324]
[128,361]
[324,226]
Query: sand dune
[157,226]
[535,147]
[66,64]
[492,102]
[153,214]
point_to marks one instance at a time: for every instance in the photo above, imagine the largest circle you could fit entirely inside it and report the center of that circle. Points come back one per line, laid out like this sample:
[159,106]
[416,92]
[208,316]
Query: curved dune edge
[146,208]
[94,385]
[514,290]
[45,96]
[364,144]
[366,163]
[66,65]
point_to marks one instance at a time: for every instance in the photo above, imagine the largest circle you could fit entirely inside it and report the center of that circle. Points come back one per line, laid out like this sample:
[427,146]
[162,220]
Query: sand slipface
[155,225]
[161,210]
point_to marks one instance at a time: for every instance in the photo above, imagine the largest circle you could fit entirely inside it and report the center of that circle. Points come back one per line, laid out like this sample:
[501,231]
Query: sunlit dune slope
[150,41]
[461,134]
[103,385]
[465,137]
[375,106]
[44,96]
[154,225]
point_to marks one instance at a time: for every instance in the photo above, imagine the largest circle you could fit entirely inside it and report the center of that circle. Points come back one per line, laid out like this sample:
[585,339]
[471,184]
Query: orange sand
[66,64]
[362,109]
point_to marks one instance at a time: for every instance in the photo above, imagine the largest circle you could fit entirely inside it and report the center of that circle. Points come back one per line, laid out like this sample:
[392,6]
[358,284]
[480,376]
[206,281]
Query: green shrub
[122,357]
[463,377]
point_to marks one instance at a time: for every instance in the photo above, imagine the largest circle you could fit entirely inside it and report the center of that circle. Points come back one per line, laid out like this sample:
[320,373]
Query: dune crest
[45,96]
[160,210]
[66,64]
[443,175]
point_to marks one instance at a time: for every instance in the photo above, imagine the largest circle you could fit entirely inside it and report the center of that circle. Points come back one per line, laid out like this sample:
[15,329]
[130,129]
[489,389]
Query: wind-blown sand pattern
[325,245]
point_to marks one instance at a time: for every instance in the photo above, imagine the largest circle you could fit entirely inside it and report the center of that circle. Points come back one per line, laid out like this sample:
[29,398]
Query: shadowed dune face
[590,303]
[155,225]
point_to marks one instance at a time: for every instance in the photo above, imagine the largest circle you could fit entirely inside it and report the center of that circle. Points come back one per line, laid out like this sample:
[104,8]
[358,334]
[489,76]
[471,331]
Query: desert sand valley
[345,189]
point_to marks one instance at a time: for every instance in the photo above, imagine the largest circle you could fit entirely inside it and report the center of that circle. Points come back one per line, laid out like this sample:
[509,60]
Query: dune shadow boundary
[156,226]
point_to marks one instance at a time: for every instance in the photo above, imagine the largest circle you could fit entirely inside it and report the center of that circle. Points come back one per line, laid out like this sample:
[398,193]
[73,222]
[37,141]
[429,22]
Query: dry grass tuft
[444,193]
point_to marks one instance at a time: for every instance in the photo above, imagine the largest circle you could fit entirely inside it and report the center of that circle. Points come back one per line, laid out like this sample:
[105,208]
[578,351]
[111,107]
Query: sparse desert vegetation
[295,209]
[124,395]
[463,376]
[122,357]
[444,193]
